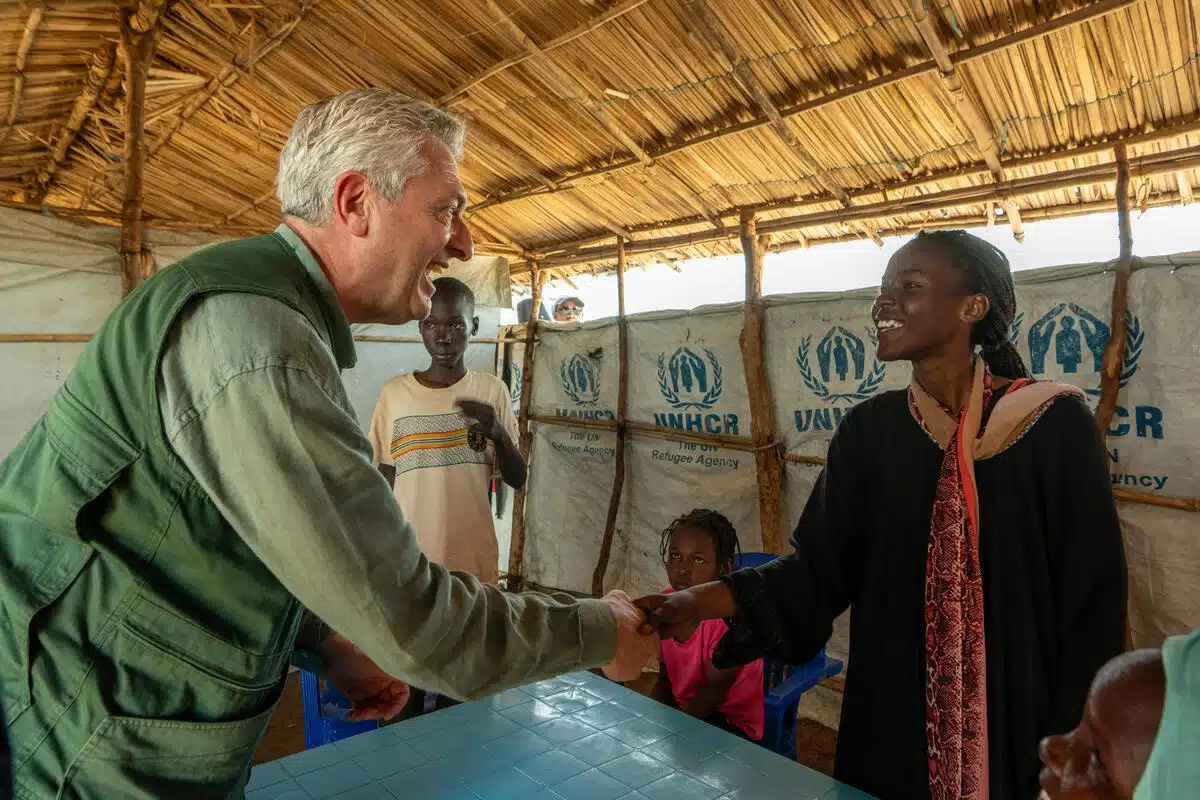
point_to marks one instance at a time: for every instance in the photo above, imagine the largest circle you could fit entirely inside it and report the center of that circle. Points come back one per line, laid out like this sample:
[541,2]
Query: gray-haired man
[201,477]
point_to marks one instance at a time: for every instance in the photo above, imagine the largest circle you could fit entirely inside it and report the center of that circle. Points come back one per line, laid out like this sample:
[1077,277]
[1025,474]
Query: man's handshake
[634,648]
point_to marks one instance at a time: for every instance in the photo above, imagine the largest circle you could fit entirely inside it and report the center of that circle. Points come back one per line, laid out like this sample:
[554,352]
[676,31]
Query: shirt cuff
[597,634]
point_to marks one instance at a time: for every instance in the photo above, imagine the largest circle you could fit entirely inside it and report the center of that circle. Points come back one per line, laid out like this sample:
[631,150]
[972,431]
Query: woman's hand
[672,615]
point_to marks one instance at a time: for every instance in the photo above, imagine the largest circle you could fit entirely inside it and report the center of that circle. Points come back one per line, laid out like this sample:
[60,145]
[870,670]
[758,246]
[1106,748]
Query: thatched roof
[658,119]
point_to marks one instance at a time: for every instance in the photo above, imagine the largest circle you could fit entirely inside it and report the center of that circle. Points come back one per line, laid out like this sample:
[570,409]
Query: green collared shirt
[1174,766]
[253,403]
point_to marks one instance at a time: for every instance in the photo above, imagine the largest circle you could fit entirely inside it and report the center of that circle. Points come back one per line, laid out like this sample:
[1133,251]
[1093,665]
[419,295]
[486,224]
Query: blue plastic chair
[324,713]
[783,684]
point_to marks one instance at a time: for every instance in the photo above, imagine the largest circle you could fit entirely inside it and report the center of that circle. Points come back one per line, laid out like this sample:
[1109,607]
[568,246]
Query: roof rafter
[590,25]
[1086,14]
[18,91]
[965,106]
[250,53]
[708,24]
[100,68]
[558,75]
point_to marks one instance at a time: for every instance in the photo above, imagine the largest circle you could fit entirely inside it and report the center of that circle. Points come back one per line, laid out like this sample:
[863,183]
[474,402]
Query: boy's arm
[662,687]
[712,693]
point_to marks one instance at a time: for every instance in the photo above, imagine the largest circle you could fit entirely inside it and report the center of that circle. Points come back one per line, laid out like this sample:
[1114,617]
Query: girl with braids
[699,548]
[968,522]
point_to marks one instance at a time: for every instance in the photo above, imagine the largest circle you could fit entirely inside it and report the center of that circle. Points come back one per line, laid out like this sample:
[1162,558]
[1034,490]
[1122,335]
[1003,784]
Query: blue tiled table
[577,737]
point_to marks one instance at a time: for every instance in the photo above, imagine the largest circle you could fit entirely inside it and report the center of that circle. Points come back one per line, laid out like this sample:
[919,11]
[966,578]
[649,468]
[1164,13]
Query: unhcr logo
[579,376]
[689,380]
[1067,343]
[841,375]
[580,380]
[1073,339]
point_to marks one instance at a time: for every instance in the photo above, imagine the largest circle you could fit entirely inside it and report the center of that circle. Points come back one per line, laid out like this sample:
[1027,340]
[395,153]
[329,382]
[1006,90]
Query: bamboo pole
[614,501]
[100,68]
[139,37]
[769,470]
[899,188]
[18,89]
[41,338]
[1088,13]
[419,340]
[1114,350]
[516,552]
[1148,165]
[1191,504]
[740,443]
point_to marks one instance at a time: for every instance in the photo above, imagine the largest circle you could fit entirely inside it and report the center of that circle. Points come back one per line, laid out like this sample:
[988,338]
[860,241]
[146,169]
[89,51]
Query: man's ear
[351,202]
[474,325]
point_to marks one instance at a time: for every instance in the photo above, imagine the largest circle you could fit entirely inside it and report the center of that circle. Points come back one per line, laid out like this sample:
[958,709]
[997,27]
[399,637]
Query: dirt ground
[815,742]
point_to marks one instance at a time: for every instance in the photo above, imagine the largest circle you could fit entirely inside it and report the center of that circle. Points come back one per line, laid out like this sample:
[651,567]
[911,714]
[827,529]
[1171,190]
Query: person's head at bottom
[698,547]
[451,323]
[369,179]
[1103,758]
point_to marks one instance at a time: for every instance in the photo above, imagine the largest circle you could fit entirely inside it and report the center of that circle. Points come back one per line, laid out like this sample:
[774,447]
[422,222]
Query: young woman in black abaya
[969,524]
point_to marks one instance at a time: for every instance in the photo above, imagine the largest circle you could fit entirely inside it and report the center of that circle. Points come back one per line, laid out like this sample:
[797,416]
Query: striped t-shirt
[443,466]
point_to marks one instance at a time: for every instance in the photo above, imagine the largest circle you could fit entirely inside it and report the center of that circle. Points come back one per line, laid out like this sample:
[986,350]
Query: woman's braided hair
[717,525]
[988,273]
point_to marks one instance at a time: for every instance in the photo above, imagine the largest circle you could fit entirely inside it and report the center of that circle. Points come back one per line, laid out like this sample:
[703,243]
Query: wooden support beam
[18,91]
[900,188]
[1148,165]
[965,106]
[1088,13]
[1114,350]
[100,68]
[558,76]
[1186,197]
[241,64]
[1122,495]
[769,469]
[140,30]
[711,28]
[516,550]
[614,500]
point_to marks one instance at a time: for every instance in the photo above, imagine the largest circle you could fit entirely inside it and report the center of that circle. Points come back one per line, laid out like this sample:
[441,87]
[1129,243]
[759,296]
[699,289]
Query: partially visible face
[1104,757]
[448,328]
[569,311]
[691,558]
[413,236]
[923,309]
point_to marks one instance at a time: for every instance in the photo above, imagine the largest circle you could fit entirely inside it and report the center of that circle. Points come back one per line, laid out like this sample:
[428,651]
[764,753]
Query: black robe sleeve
[1087,558]
[786,608]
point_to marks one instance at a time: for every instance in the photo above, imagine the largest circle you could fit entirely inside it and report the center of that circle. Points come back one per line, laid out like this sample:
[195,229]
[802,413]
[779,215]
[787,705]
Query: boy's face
[691,558]
[1104,757]
[448,328]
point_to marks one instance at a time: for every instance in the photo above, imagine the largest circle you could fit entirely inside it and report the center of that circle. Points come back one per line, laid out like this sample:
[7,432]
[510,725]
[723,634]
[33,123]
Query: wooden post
[516,551]
[762,410]
[140,30]
[1114,351]
[614,501]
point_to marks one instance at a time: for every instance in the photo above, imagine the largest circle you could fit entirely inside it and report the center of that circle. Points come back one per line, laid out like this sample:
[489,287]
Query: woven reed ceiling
[590,118]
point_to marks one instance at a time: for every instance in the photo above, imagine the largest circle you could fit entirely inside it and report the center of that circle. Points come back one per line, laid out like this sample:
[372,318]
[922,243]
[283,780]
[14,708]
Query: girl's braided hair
[716,525]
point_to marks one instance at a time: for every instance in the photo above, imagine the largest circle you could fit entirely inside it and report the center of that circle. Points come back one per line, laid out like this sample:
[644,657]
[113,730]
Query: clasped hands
[374,694]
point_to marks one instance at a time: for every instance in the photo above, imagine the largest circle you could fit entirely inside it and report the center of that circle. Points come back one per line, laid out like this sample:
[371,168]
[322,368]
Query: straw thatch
[655,120]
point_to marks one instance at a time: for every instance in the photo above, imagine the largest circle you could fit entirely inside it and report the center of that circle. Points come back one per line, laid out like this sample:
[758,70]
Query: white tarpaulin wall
[59,277]
[685,371]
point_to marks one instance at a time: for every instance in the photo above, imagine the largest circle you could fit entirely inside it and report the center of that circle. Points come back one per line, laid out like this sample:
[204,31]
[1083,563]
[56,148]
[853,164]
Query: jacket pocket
[148,759]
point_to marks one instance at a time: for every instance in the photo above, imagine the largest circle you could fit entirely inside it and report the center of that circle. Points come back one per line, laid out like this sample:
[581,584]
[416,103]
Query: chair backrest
[743,560]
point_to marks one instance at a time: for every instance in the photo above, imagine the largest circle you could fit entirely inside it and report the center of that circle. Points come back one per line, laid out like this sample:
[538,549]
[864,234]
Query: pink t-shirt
[687,663]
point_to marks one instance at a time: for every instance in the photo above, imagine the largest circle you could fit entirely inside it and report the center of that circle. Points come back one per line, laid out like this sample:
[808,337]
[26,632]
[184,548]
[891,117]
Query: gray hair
[378,132]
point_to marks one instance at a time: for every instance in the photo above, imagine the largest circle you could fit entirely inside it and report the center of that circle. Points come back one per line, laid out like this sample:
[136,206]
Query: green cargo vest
[143,646]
